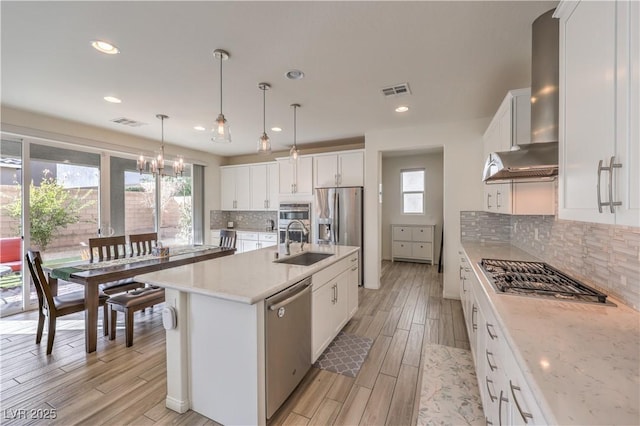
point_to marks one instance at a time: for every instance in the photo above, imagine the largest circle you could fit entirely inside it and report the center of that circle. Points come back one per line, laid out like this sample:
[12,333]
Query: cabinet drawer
[269,237]
[421,250]
[422,234]
[402,249]
[325,275]
[402,233]
[253,236]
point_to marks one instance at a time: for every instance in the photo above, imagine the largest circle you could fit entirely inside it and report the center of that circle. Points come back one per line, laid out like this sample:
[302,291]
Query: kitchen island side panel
[227,385]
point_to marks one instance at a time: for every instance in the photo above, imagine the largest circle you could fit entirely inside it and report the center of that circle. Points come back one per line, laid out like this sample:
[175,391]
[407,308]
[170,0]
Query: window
[412,182]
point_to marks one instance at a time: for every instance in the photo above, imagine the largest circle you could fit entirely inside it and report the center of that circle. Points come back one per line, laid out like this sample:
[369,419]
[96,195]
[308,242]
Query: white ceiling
[459,59]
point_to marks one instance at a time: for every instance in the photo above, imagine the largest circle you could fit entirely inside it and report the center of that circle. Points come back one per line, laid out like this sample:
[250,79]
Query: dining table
[92,274]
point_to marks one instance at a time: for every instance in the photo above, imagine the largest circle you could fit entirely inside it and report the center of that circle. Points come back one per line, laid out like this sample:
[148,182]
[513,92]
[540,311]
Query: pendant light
[264,144]
[221,132]
[293,152]
[157,164]
[141,163]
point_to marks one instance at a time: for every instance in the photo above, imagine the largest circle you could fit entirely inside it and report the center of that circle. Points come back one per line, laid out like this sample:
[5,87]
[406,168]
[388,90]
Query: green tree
[51,207]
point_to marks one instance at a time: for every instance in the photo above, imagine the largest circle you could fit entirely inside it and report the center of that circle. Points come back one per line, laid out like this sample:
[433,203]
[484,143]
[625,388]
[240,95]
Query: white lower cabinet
[506,396]
[334,300]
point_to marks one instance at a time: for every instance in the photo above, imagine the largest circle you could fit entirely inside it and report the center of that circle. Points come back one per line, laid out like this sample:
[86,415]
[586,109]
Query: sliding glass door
[11,287]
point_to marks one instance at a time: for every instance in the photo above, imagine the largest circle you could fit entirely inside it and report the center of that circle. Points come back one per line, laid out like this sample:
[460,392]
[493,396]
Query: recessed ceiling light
[200,128]
[105,47]
[276,129]
[402,109]
[112,99]
[294,75]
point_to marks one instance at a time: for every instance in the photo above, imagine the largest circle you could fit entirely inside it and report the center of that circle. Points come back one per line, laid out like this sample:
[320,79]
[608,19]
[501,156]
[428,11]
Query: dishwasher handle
[298,289]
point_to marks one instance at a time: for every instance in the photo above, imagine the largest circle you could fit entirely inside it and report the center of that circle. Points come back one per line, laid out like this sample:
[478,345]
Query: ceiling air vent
[397,90]
[128,122]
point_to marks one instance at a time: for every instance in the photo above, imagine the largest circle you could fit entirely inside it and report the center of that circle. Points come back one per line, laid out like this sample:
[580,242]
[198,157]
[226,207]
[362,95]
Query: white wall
[41,127]
[463,161]
[392,196]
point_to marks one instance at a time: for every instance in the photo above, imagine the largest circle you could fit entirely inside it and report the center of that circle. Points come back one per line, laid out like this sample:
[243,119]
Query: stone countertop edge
[577,358]
[246,277]
[262,230]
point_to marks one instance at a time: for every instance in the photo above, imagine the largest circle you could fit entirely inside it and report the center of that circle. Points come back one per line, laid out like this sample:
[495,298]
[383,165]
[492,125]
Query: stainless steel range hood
[528,162]
[538,160]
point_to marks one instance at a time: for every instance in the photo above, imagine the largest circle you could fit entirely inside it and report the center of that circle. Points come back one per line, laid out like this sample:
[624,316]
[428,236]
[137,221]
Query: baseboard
[177,405]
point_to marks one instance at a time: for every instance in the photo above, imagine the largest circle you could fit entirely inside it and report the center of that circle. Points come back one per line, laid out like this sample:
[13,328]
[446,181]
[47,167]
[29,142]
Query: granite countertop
[581,360]
[246,277]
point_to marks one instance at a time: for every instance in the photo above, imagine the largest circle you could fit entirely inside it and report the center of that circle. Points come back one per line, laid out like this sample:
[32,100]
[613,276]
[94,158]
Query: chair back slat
[141,244]
[34,262]
[227,238]
[107,248]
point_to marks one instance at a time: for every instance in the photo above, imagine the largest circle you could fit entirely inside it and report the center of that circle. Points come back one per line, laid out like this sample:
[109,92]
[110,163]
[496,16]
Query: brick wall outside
[138,218]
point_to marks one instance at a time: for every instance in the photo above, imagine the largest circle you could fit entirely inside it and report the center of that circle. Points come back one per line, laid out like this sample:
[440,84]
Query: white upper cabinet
[295,178]
[599,178]
[235,188]
[339,169]
[264,186]
[249,187]
[510,126]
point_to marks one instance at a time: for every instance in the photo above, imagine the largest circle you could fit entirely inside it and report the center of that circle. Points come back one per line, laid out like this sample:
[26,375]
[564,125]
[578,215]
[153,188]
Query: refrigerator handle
[334,223]
[337,218]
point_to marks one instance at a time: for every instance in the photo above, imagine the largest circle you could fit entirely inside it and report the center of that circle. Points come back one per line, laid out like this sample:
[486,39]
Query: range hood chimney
[538,160]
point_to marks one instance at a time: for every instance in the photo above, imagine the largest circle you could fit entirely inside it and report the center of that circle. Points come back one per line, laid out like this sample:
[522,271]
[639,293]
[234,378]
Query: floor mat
[449,394]
[345,354]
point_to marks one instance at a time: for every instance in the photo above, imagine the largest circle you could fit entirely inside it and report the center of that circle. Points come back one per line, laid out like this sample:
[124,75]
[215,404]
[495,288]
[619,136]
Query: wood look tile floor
[118,385]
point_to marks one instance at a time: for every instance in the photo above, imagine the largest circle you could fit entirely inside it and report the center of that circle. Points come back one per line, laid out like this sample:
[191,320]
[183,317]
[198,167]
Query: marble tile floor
[449,394]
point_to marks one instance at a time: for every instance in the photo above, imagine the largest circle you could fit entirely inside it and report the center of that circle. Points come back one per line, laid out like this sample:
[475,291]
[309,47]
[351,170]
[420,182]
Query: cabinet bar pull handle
[498,199]
[500,407]
[488,199]
[492,397]
[613,165]
[355,268]
[523,414]
[487,422]
[493,367]
[492,335]
[473,319]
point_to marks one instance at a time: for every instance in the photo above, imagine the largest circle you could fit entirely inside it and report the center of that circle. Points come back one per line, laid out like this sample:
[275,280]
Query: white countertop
[246,277]
[582,361]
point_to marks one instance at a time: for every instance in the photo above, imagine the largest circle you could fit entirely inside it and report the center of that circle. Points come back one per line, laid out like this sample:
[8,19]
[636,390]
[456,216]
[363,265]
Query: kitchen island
[580,361]
[216,352]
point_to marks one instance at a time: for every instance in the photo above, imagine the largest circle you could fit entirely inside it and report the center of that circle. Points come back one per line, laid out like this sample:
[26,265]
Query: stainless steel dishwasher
[287,341]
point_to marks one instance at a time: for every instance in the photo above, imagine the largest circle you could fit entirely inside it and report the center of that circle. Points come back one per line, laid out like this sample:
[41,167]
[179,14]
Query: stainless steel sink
[305,259]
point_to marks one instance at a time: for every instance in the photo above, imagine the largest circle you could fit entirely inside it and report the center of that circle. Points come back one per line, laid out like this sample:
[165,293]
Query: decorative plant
[51,207]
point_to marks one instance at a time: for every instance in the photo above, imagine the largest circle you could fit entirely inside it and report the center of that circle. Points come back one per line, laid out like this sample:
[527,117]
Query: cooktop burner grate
[537,279]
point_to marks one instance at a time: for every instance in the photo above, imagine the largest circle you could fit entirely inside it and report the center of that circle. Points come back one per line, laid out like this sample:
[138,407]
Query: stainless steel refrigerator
[338,218]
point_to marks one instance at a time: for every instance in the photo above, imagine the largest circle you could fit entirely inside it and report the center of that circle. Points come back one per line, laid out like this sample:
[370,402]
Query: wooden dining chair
[110,248]
[51,306]
[227,238]
[141,244]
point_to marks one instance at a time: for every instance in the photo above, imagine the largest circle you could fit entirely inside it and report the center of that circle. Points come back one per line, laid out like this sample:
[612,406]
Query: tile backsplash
[604,256]
[242,219]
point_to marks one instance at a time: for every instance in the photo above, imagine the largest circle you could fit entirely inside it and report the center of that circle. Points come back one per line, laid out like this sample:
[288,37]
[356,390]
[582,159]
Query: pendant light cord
[264,110]
[221,84]
[294,127]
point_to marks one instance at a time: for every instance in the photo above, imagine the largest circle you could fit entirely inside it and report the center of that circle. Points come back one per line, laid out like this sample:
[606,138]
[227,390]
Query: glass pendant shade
[294,152]
[221,132]
[264,143]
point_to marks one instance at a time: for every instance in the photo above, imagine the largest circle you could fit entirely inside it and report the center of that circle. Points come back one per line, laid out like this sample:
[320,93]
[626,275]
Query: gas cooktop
[537,279]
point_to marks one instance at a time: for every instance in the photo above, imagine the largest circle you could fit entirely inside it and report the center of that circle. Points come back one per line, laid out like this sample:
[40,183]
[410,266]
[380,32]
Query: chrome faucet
[287,241]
